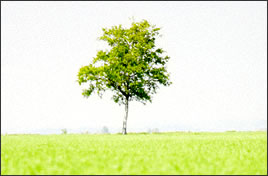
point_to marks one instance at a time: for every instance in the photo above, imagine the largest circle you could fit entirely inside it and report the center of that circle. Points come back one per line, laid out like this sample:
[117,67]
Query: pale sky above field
[218,66]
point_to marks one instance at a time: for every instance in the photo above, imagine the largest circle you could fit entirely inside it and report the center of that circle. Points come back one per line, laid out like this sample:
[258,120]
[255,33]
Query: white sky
[218,65]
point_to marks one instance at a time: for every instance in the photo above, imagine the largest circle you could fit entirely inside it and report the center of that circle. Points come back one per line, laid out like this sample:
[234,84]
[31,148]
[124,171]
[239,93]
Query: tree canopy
[133,68]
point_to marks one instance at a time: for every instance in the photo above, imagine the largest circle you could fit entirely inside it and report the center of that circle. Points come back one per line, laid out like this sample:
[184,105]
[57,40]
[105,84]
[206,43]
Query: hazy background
[218,66]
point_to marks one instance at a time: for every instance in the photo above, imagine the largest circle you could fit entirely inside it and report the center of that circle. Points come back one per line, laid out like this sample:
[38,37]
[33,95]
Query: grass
[236,153]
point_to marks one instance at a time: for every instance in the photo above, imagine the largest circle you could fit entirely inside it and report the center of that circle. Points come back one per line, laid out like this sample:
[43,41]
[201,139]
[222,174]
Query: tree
[64,131]
[104,130]
[133,67]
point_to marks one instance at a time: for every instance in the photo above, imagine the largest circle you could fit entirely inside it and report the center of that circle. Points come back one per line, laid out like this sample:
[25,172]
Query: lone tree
[133,67]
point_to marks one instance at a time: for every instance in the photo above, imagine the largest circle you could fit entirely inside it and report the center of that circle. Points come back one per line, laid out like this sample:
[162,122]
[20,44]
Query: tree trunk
[124,130]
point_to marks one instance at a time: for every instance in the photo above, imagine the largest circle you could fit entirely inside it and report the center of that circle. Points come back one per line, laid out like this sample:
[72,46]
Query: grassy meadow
[178,153]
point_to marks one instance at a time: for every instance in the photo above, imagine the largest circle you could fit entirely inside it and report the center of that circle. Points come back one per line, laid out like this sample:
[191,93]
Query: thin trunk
[124,130]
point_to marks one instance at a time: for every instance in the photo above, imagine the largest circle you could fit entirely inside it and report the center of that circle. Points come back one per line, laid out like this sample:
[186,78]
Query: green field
[164,153]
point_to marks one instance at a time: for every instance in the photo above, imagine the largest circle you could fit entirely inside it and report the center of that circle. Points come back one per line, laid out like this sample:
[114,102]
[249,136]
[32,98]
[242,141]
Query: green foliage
[133,68]
[64,131]
[240,153]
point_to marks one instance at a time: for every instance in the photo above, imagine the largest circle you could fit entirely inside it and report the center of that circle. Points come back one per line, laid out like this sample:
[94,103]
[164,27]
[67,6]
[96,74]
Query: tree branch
[117,87]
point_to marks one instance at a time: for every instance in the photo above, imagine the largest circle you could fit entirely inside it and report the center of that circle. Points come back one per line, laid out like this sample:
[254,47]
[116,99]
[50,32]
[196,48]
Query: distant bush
[154,130]
[105,130]
[64,131]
